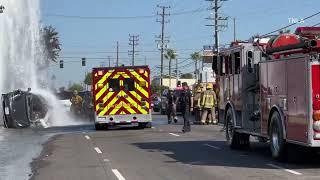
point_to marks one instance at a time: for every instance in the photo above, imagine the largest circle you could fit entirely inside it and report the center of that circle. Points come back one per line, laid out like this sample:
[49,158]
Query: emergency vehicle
[122,96]
[270,88]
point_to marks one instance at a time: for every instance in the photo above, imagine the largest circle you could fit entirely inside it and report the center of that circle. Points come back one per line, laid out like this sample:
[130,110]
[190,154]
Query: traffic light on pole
[61,64]
[83,61]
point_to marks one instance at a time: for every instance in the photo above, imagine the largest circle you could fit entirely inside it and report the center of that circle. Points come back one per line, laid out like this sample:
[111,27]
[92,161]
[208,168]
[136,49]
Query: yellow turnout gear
[208,99]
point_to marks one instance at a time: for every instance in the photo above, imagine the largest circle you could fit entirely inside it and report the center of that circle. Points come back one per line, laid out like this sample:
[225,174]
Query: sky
[95,38]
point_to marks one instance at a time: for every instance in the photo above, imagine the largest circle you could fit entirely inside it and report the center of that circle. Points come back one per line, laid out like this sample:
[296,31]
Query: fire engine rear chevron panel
[121,90]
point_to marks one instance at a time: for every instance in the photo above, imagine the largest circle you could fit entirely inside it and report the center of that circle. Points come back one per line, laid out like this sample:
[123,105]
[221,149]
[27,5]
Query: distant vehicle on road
[164,100]
[156,101]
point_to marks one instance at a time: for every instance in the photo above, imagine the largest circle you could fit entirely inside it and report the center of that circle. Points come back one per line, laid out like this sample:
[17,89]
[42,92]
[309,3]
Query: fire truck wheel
[233,138]
[278,144]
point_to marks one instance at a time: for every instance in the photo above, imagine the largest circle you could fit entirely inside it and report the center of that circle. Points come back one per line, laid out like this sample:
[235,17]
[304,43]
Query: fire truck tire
[233,138]
[278,143]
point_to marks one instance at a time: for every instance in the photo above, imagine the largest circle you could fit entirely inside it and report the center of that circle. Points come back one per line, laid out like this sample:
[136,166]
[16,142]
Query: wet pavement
[19,146]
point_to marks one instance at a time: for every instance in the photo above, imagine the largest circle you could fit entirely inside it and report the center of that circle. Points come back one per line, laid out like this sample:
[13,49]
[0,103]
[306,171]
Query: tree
[196,57]
[51,43]
[186,76]
[88,79]
[76,87]
[170,55]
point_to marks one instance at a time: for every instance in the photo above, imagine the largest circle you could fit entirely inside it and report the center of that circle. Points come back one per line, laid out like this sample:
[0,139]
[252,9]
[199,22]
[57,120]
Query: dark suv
[164,100]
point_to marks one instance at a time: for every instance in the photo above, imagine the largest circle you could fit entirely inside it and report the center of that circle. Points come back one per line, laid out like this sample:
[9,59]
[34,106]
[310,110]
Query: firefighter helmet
[209,86]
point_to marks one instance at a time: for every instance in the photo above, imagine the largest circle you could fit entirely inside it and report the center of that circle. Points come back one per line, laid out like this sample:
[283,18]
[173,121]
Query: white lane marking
[287,170]
[106,160]
[118,174]
[215,147]
[174,134]
[98,150]
[87,137]
[152,127]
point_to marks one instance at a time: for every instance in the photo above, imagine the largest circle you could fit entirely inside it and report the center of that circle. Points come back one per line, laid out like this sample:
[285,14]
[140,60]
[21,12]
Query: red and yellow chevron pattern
[115,98]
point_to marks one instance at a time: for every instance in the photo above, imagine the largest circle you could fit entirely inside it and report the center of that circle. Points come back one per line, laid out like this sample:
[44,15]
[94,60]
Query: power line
[99,17]
[122,17]
[308,17]
[123,52]
[315,24]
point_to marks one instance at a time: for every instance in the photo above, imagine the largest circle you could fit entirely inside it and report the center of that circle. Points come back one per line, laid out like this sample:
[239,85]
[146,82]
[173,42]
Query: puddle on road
[19,147]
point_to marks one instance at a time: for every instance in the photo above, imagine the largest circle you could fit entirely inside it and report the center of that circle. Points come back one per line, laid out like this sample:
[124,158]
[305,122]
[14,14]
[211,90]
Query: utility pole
[234,29]
[145,60]
[117,53]
[216,20]
[109,59]
[133,41]
[177,74]
[162,43]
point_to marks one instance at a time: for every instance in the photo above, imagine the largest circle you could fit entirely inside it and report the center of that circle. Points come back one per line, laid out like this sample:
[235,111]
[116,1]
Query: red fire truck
[270,88]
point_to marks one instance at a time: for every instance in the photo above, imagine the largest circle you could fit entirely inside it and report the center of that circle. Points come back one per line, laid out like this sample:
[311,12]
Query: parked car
[156,103]
[164,100]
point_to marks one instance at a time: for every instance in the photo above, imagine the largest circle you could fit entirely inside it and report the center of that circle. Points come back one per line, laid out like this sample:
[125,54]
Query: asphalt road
[164,153]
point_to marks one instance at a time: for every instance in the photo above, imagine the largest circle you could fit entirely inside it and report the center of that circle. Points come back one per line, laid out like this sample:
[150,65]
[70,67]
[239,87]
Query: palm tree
[170,55]
[51,43]
[196,56]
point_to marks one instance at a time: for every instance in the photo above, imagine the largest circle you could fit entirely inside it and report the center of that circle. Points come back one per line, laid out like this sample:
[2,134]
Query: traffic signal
[61,64]
[83,61]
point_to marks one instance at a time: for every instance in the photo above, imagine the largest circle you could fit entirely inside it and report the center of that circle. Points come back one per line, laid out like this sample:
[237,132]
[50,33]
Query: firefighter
[186,106]
[207,103]
[196,103]
[76,101]
[171,107]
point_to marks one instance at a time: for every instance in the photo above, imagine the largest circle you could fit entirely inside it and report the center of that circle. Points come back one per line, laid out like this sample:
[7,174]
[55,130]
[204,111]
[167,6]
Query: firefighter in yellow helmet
[196,102]
[207,104]
[76,101]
